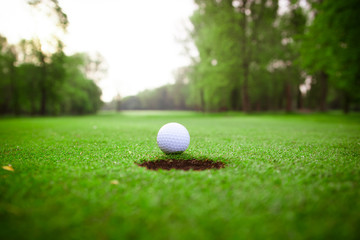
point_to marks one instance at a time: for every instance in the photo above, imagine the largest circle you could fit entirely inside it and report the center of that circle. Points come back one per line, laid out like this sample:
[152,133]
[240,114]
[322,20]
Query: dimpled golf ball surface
[173,138]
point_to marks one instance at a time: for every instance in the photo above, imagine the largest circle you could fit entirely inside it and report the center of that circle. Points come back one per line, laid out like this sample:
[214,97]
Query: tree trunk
[235,99]
[14,90]
[202,100]
[323,77]
[300,100]
[288,97]
[245,89]
[246,61]
[118,105]
[33,98]
[43,97]
[346,105]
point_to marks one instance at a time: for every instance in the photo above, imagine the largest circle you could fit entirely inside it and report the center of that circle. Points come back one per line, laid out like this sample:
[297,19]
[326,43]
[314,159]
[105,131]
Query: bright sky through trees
[136,38]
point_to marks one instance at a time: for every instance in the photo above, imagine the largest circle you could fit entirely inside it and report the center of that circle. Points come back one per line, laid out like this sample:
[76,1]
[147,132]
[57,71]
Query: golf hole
[182,164]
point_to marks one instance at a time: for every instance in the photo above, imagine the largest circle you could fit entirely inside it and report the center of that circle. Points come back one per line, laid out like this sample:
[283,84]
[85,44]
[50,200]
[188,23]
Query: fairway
[285,177]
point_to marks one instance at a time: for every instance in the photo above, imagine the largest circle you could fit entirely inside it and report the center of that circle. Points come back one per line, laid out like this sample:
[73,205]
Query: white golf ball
[173,138]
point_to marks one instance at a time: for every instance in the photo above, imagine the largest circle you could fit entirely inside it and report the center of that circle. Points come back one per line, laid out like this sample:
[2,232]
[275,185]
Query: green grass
[286,177]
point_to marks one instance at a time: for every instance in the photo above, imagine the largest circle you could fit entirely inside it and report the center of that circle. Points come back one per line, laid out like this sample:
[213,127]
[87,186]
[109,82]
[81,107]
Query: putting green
[286,177]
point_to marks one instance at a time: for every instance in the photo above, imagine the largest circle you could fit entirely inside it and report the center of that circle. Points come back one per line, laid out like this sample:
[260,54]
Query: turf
[286,177]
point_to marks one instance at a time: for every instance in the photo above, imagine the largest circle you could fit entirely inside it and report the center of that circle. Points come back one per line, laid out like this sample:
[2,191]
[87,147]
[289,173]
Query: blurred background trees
[250,57]
[330,51]
[253,58]
[35,81]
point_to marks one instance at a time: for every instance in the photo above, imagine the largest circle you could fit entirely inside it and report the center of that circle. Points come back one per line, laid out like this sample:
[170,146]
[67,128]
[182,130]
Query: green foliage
[245,39]
[7,76]
[52,8]
[80,95]
[33,82]
[250,56]
[331,45]
[36,82]
[215,75]
[286,176]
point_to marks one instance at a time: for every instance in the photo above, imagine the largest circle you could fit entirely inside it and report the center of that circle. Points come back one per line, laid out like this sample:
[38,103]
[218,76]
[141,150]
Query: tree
[235,40]
[63,89]
[79,95]
[34,81]
[330,48]
[52,9]
[8,85]
[215,75]
[291,27]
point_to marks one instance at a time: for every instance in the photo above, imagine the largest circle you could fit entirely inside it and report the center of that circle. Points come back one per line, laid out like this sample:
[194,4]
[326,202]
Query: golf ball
[173,138]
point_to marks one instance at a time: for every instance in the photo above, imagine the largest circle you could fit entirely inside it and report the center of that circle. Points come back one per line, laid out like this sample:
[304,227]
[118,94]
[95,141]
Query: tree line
[251,58]
[35,81]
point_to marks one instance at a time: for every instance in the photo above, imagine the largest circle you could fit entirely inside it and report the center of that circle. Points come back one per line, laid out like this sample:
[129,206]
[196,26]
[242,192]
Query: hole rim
[165,164]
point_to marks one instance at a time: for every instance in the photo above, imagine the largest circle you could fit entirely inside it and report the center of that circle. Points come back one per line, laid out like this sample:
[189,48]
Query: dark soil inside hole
[193,164]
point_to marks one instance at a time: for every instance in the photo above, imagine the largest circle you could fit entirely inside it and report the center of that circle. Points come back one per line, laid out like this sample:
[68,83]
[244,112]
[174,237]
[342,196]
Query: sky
[137,39]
